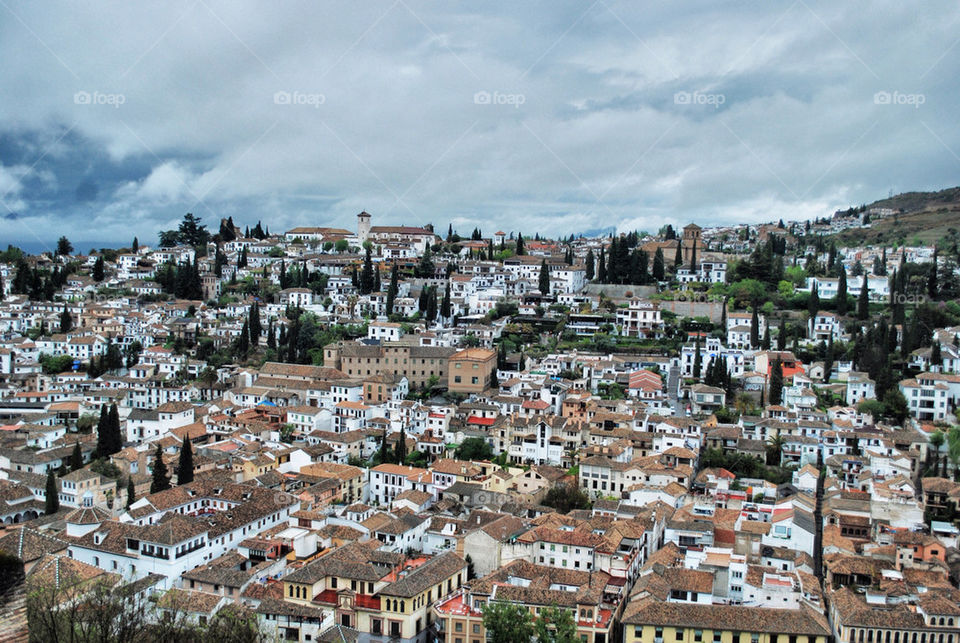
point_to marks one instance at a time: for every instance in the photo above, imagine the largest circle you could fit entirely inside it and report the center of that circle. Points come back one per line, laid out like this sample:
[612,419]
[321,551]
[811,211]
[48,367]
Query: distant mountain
[598,232]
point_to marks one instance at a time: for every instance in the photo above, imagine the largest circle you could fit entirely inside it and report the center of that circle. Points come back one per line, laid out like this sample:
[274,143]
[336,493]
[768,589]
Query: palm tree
[774,448]
[936,441]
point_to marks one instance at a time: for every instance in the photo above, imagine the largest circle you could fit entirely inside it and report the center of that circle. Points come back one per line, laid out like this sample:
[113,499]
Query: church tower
[363,226]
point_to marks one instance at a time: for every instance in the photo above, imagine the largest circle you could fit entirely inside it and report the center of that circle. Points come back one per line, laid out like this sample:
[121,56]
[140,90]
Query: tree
[445,306]
[782,334]
[131,491]
[64,247]
[863,301]
[678,258]
[566,497]
[697,359]
[590,265]
[932,289]
[776,382]
[76,458]
[774,449]
[384,455]
[185,464]
[755,327]
[425,268]
[400,452]
[507,622]
[556,625]
[192,232]
[520,247]
[544,280]
[135,246]
[474,449]
[602,268]
[393,289]
[936,355]
[66,320]
[813,304]
[659,271]
[841,301]
[366,274]
[52,498]
[161,479]
[895,405]
[254,326]
[97,274]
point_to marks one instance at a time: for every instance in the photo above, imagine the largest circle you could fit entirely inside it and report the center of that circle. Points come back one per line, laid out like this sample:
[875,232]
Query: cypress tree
[659,269]
[765,342]
[445,307]
[161,480]
[863,302]
[601,269]
[932,289]
[782,334]
[254,325]
[76,458]
[754,327]
[401,450]
[813,304]
[776,382]
[520,247]
[544,280]
[590,267]
[66,320]
[841,301]
[697,359]
[131,491]
[366,274]
[678,258]
[52,498]
[185,464]
[393,289]
[613,275]
[103,440]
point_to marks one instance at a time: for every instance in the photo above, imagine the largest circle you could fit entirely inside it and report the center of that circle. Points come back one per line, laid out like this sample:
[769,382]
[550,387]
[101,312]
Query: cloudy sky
[552,117]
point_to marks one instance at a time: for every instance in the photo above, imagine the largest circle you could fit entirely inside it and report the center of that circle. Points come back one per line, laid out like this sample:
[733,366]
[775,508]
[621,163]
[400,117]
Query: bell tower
[363,226]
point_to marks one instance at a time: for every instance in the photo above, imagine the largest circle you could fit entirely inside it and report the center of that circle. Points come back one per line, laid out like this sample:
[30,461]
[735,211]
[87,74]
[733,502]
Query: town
[727,434]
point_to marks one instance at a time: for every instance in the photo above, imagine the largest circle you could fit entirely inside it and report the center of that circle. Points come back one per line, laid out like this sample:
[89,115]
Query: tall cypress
[393,289]
[776,382]
[863,302]
[161,479]
[590,267]
[602,268]
[659,268]
[185,464]
[841,301]
[52,498]
[131,491]
[544,280]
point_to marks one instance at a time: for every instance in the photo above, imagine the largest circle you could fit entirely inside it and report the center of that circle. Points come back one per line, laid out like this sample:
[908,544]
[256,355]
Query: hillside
[923,217]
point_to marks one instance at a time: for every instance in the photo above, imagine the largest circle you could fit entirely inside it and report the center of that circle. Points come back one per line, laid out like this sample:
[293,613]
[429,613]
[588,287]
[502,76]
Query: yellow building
[651,620]
[471,370]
